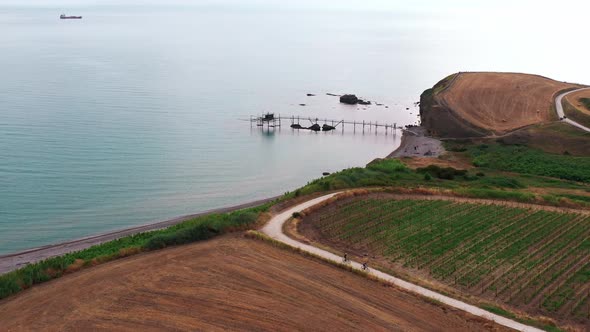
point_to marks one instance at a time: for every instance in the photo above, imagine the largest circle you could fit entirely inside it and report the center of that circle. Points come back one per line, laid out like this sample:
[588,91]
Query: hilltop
[488,104]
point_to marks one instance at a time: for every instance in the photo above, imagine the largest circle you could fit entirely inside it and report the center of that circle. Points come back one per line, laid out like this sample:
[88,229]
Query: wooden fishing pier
[269,120]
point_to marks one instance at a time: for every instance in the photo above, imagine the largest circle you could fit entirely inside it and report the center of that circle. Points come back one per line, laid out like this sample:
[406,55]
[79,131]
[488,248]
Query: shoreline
[416,144]
[13,261]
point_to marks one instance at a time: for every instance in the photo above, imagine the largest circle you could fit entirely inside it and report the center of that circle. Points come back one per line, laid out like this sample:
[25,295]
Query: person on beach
[345,257]
[365,267]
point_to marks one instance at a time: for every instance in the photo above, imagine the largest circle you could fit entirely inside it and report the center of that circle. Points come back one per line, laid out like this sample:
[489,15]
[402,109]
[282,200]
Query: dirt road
[274,229]
[561,114]
[229,283]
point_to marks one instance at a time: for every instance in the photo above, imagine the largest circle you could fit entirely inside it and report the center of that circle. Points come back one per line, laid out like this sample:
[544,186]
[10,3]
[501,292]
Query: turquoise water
[133,114]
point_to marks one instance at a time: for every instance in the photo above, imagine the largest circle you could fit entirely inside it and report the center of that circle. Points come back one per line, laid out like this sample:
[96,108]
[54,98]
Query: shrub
[447,173]
[387,166]
[427,176]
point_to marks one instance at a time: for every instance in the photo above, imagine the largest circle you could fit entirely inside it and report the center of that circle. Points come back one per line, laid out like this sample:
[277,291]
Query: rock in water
[310,95]
[326,127]
[315,127]
[349,99]
[362,102]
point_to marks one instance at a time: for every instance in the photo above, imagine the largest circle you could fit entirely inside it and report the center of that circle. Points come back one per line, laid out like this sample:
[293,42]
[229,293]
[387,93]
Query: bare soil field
[529,257]
[228,283]
[483,104]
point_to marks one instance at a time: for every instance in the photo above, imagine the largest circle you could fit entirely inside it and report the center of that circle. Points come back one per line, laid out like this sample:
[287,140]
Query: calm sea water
[133,114]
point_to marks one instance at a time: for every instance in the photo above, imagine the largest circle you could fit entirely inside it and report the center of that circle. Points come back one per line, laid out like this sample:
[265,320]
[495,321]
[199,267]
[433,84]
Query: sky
[555,30]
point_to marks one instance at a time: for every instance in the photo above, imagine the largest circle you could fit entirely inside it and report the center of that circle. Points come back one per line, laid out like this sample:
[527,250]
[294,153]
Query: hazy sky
[554,31]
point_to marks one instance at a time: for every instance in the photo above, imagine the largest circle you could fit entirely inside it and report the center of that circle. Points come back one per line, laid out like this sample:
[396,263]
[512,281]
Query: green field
[521,159]
[534,259]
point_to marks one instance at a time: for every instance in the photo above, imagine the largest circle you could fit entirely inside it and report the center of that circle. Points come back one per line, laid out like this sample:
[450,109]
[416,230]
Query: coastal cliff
[439,119]
[466,105]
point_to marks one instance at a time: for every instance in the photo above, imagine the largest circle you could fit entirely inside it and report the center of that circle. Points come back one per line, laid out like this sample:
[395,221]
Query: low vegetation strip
[197,229]
[535,260]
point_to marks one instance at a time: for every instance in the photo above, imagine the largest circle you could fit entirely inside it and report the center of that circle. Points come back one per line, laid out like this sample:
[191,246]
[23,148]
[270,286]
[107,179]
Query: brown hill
[230,283]
[488,104]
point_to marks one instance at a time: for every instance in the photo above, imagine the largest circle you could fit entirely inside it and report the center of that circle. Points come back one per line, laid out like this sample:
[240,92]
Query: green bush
[446,173]
[387,166]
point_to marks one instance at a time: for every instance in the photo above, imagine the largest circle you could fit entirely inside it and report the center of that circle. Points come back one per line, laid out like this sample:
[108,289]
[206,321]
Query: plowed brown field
[502,102]
[228,283]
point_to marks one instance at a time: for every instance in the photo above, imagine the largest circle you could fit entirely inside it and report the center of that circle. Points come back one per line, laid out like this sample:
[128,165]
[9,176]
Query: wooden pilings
[262,121]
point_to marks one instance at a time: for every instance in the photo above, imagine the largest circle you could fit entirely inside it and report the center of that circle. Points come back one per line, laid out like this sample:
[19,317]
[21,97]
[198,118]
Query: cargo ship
[64,17]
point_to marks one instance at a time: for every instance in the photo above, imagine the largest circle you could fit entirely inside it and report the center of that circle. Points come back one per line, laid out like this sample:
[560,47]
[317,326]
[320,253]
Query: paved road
[274,229]
[561,114]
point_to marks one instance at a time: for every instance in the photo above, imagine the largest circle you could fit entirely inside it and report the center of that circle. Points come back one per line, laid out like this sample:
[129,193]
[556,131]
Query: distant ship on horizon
[65,17]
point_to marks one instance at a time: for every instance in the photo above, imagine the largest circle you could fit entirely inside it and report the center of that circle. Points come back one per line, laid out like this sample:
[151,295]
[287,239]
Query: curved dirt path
[561,114]
[274,229]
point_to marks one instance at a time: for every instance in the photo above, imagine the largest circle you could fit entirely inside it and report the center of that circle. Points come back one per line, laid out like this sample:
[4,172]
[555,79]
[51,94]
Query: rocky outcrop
[439,120]
[349,99]
[315,127]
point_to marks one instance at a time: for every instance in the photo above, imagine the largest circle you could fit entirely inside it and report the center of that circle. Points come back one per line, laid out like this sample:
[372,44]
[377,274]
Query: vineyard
[533,259]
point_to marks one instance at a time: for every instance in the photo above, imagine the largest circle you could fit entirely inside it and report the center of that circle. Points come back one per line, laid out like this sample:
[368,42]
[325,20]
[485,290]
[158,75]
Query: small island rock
[349,99]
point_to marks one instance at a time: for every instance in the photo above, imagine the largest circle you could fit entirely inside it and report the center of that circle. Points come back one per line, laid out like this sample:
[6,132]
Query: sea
[139,112]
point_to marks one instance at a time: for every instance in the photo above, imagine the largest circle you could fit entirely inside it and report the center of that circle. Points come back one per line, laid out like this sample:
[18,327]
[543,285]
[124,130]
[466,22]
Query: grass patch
[575,113]
[521,159]
[585,102]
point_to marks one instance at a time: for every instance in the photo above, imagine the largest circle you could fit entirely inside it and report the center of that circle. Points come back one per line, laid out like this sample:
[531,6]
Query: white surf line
[561,114]
[274,229]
